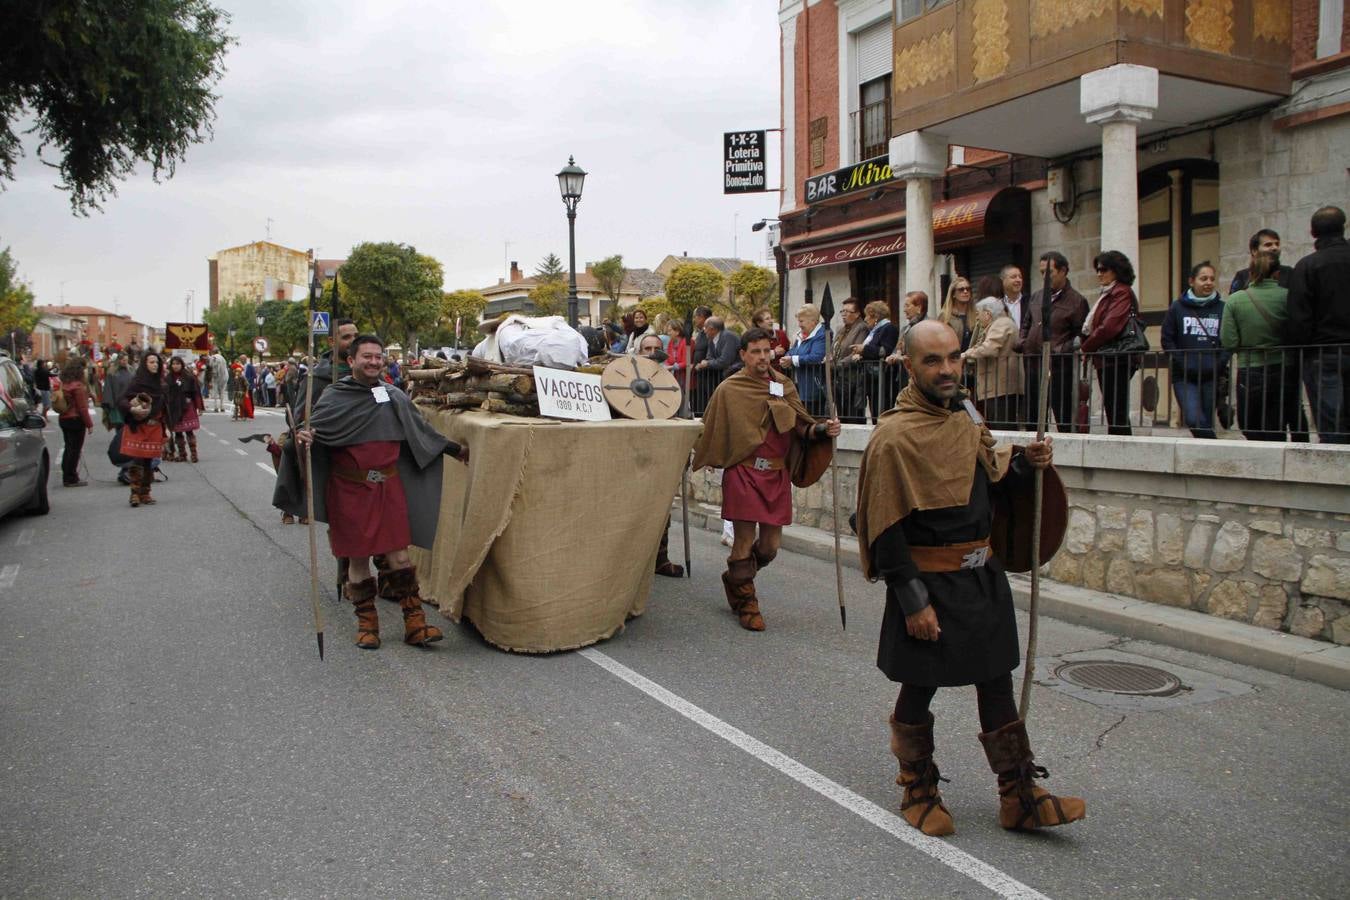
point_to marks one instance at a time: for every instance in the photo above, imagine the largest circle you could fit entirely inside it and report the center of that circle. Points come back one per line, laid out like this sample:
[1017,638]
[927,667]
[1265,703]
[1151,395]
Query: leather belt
[368,476]
[951,557]
[760,464]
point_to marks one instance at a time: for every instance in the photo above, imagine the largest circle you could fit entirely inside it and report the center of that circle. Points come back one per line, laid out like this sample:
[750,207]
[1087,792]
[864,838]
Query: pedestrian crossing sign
[319,324]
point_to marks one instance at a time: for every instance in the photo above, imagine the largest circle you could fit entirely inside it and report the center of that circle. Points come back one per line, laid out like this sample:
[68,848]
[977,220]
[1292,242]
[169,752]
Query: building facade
[100,328]
[259,271]
[1170,130]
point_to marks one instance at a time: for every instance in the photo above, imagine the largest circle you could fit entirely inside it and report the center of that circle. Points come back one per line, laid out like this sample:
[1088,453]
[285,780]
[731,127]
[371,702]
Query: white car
[24,461]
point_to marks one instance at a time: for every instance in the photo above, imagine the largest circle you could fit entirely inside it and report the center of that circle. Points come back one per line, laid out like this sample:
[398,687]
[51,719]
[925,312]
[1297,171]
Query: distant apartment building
[259,271]
[593,304]
[56,333]
[100,327]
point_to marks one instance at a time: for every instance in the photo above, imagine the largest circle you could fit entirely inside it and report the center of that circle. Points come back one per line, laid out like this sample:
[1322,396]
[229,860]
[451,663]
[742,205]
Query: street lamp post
[570,180]
[231,331]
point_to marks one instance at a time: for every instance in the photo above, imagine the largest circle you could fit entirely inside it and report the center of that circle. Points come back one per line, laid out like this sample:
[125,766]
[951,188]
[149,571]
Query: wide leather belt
[367,476]
[951,557]
[760,464]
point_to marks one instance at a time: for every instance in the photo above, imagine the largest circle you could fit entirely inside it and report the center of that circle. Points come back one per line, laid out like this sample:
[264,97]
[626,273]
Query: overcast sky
[437,125]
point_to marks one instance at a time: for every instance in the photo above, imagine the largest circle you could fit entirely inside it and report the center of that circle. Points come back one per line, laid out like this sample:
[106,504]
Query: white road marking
[7,576]
[268,469]
[25,538]
[223,441]
[958,860]
[212,433]
[241,452]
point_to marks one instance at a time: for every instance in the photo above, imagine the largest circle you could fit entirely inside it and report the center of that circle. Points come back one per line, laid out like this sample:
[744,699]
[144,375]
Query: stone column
[1118,98]
[918,157]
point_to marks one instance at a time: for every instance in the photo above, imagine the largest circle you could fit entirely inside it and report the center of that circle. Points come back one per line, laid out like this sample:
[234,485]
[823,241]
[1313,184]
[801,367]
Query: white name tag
[775,389]
[381,393]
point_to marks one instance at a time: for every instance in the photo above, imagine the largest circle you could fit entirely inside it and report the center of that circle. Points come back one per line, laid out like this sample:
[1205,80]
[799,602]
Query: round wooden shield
[641,388]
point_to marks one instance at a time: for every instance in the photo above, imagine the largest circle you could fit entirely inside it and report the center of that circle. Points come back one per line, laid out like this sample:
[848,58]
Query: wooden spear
[1042,415]
[834,478]
[309,496]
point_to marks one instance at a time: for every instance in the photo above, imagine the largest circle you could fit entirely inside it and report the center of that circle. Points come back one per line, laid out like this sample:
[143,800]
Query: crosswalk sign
[319,324]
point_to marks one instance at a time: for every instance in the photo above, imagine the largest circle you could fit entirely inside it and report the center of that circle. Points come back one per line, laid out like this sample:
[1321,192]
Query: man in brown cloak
[757,430]
[926,489]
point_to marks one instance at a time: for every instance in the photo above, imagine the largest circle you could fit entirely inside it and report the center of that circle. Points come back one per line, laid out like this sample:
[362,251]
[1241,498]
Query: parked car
[24,461]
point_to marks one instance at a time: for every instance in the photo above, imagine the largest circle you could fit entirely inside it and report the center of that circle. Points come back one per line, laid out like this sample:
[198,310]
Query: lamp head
[570,180]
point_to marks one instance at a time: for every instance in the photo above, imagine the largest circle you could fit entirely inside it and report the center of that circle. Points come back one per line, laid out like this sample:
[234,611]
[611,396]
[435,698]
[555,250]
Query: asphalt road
[167,729]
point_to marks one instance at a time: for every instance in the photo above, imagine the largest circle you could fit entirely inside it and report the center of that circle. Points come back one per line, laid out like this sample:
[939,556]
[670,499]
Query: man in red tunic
[756,429]
[377,470]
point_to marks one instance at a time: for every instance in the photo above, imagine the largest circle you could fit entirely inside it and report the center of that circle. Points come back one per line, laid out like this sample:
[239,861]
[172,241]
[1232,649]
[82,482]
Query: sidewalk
[1273,651]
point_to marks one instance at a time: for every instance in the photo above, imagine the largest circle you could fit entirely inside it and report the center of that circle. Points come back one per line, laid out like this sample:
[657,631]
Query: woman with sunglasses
[1105,323]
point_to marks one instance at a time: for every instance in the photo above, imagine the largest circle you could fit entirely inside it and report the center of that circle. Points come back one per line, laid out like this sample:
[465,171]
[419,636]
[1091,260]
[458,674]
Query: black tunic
[974,607]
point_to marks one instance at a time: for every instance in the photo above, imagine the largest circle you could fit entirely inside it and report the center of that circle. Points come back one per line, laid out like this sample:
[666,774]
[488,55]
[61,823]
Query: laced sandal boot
[134,477]
[287,519]
[922,804]
[402,585]
[663,564]
[739,583]
[146,480]
[362,596]
[192,445]
[1022,804]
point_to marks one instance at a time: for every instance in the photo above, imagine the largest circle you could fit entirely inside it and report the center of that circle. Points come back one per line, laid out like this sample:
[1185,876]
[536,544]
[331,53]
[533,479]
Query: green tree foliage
[549,298]
[286,326]
[609,274]
[693,284]
[237,312]
[466,306]
[550,268]
[655,306]
[393,288]
[109,84]
[752,288]
[16,303]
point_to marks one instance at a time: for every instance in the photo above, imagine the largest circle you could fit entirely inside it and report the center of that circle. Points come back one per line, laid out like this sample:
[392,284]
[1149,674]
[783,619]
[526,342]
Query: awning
[956,223]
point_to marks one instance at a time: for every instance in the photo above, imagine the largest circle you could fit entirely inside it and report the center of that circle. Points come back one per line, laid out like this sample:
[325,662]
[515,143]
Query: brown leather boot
[362,595]
[739,582]
[147,479]
[382,570]
[1022,804]
[401,585]
[663,564]
[192,444]
[922,805]
[134,476]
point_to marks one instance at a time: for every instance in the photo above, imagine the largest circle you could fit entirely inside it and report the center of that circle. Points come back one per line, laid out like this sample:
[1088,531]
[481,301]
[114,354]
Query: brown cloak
[920,456]
[737,420]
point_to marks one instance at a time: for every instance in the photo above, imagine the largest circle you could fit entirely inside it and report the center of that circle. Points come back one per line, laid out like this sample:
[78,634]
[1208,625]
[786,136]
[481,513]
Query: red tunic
[368,517]
[751,495]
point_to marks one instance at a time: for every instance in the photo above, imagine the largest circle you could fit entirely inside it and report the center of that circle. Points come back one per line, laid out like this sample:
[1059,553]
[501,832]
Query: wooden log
[494,404]
[423,374]
[484,367]
[463,399]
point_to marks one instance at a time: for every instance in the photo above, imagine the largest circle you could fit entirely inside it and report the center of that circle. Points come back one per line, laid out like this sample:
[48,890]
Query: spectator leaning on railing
[1068,311]
[1319,313]
[1105,326]
[804,358]
[1254,320]
[1264,241]
[1196,361]
[850,396]
[880,342]
[998,369]
[916,310]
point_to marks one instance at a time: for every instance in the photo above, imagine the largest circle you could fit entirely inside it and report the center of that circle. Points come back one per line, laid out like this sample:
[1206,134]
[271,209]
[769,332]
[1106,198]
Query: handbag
[1131,338]
[115,454]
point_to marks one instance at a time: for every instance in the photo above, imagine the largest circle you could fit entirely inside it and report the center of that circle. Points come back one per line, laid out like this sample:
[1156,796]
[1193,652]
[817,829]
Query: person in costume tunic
[377,471]
[925,494]
[182,403]
[142,409]
[757,430]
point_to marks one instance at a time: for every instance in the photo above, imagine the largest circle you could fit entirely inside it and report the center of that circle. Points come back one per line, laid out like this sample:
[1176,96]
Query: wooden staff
[684,476]
[1042,415]
[309,500]
[834,478]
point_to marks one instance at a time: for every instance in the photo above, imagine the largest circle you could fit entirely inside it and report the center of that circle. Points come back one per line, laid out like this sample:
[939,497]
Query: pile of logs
[474,384]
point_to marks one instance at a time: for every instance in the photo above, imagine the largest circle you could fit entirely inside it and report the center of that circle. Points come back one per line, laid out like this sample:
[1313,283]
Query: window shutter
[874,51]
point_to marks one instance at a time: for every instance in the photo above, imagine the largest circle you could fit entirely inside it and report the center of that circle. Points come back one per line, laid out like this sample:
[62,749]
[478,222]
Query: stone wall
[1254,532]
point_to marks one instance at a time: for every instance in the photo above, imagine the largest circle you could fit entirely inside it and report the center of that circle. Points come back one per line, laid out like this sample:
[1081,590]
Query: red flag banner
[186,336]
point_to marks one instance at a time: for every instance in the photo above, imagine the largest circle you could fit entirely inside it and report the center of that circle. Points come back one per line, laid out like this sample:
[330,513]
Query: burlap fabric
[534,546]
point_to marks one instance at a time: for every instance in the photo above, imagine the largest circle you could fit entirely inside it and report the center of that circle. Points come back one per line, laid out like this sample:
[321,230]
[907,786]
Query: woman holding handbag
[142,408]
[1114,334]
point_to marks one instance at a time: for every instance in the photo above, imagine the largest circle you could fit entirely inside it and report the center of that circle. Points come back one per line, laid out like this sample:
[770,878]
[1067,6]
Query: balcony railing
[871,130]
[1269,394]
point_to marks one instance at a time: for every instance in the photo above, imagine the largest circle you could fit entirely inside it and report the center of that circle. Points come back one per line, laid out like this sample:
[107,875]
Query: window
[912,9]
[872,69]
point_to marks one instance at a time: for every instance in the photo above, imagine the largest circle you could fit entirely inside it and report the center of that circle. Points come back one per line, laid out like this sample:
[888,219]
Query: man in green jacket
[1254,320]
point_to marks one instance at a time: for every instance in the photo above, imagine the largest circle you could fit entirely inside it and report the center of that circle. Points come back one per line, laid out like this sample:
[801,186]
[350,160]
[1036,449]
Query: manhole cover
[1119,678]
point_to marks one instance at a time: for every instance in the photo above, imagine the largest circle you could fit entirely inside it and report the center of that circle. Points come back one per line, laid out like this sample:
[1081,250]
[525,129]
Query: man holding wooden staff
[757,430]
[927,488]
[377,471]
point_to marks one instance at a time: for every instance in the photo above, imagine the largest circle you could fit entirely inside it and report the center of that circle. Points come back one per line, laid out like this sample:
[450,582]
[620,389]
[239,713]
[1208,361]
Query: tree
[392,287]
[285,325]
[17,316]
[693,284]
[653,307]
[467,307]
[548,298]
[610,274]
[752,287]
[238,312]
[110,84]
[550,268]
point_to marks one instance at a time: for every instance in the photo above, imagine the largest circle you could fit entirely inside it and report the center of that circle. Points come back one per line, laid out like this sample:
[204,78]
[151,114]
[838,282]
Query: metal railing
[871,129]
[1268,394]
